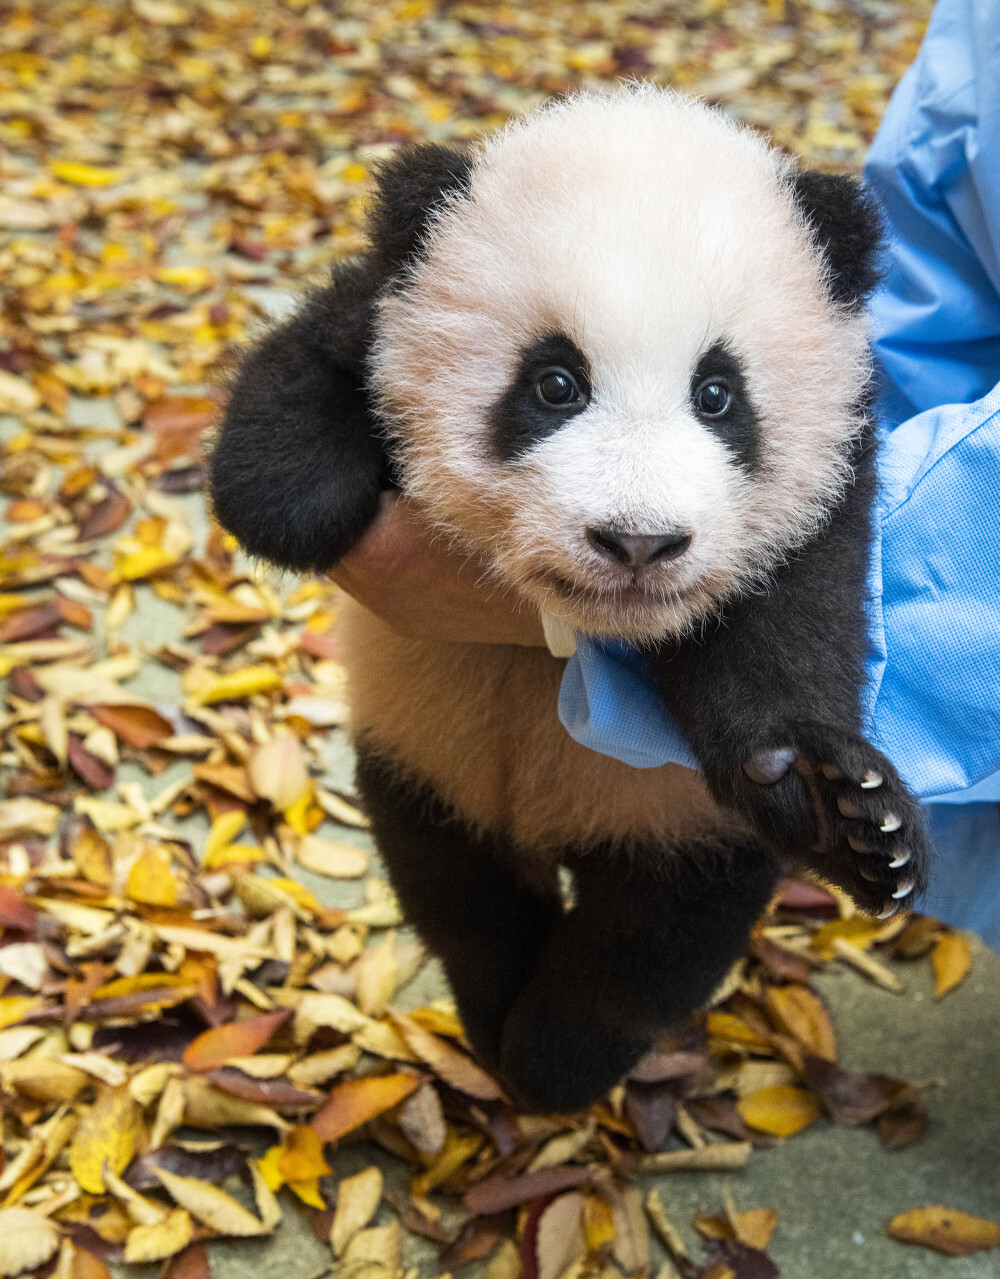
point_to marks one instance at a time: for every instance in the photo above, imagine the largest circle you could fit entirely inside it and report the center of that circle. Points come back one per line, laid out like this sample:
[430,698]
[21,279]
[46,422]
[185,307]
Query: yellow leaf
[160,1240]
[452,1066]
[731,1029]
[232,855]
[800,1014]
[304,815]
[224,830]
[135,565]
[308,1192]
[151,879]
[859,930]
[210,1205]
[14,1007]
[269,1167]
[755,1226]
[142,981]
[598,1222]
[331,857]
[780,1111]
[109,1133]
[238,684]
[190,279]
[952,959]
[954,1233]
[302,1156]
[84,175]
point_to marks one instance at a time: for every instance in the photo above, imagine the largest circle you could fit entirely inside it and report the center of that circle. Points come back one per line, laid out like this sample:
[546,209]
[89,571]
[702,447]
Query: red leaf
[106,516]
[29,623]
[214,1047]
[265,1092]
[95,772]
[191,1263]
[15,911]
[497,1194]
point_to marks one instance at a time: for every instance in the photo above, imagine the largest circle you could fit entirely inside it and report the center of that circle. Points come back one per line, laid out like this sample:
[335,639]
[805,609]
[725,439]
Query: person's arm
[426,589]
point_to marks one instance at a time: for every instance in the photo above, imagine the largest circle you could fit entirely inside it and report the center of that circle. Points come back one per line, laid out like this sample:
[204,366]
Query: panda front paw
[831,800]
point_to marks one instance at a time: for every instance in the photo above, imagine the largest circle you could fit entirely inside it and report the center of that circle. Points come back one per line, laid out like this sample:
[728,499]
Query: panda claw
[891,823]
[871,780]
[888,911]
[904,890]
[831,772]
[847,809]
[900,859]
[860,846]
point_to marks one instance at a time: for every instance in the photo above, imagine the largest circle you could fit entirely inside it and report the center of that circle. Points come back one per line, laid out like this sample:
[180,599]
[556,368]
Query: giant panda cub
[619,354]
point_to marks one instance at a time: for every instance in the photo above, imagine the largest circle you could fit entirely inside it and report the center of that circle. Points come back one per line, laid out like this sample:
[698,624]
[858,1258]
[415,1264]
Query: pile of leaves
[185,1029]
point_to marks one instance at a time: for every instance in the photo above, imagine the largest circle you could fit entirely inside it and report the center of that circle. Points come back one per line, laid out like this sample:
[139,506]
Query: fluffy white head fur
[645,227]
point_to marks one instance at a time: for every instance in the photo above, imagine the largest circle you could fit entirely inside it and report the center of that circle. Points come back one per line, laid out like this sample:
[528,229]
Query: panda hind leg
[646,943]
[458,889]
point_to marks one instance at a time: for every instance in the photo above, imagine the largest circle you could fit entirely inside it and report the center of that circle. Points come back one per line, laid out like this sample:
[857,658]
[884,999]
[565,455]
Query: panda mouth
[632,591]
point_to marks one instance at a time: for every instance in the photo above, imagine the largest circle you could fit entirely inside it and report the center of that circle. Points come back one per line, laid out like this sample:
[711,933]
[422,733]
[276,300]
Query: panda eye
[557,389]
[713,398]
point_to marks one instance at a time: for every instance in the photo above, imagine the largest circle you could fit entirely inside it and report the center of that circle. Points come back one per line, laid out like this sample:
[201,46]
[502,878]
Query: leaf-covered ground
[186,1027]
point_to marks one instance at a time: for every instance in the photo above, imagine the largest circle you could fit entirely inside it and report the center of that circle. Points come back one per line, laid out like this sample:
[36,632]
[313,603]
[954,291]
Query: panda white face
[615,372]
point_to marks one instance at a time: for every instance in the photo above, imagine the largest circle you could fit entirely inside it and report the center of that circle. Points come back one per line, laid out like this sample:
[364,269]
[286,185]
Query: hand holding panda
[619,356]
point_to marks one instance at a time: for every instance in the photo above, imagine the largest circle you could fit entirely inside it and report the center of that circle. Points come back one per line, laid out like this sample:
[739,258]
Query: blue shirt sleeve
[933,698]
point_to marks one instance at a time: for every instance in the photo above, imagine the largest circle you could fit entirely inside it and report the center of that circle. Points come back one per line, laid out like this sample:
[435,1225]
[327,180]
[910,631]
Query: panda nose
[638,550]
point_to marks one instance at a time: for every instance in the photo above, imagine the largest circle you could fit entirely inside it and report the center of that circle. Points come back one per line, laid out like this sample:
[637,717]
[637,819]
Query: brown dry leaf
[44,1079]
[952,959]
[27,1240]
[421,1120]
[208,1107]
[215,1047]
[730,1029]
[378,976]
[781,1111]
[477,1239]
[800,1013]
[139,726]
[358,1198]
[353,1103]
[210,1205]
[454,1067]
[87,1266]
[859,930]
[498,1193]
[109,1134]
[277,770]
[853,1099]
[161,1239]
[954,1233]
[754,1227]
[559,1239]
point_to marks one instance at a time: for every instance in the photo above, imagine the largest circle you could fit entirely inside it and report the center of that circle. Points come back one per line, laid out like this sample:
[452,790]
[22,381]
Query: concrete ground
[834,1189]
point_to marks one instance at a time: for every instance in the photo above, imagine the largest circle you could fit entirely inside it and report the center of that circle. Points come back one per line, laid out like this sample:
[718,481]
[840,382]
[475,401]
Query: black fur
[848,228]
[520,419]
[561,1004]
[739,427]
[784,668]
[298,465]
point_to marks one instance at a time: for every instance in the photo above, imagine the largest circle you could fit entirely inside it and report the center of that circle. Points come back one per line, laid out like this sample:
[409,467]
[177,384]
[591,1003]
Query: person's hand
[424,589]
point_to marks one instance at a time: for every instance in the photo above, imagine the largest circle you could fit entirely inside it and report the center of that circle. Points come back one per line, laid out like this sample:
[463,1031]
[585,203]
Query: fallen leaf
[109,1134]
[151,879]
[452,1066]
[853,1099]
[210,1205]
[358,1198]
[952,959]
[140,726]
[421,1120]
[559,1239]
[353,1103]
[27,1240]
[780,1111]
[277,770]
[215,1047]
[373,1253]
[192,1263]
[331,858]
[161,1239]
[800,1013]
[498,1193]
[956,1234]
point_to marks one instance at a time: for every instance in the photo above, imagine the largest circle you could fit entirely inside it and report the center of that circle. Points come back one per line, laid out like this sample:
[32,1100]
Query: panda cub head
[620,354]
[626,361]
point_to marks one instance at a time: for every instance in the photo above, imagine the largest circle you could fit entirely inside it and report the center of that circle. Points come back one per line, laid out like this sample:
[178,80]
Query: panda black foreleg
[486,924]
[650,936]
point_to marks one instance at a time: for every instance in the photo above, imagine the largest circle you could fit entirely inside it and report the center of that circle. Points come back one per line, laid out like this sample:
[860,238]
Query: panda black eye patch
[550,385]
[720,400]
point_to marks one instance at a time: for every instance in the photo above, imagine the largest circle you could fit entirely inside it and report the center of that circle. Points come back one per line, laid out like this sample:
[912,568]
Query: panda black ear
[409,188]
[848,228]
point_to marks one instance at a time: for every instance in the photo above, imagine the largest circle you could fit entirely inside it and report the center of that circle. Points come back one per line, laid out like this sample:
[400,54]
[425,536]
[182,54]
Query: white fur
[646,227]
